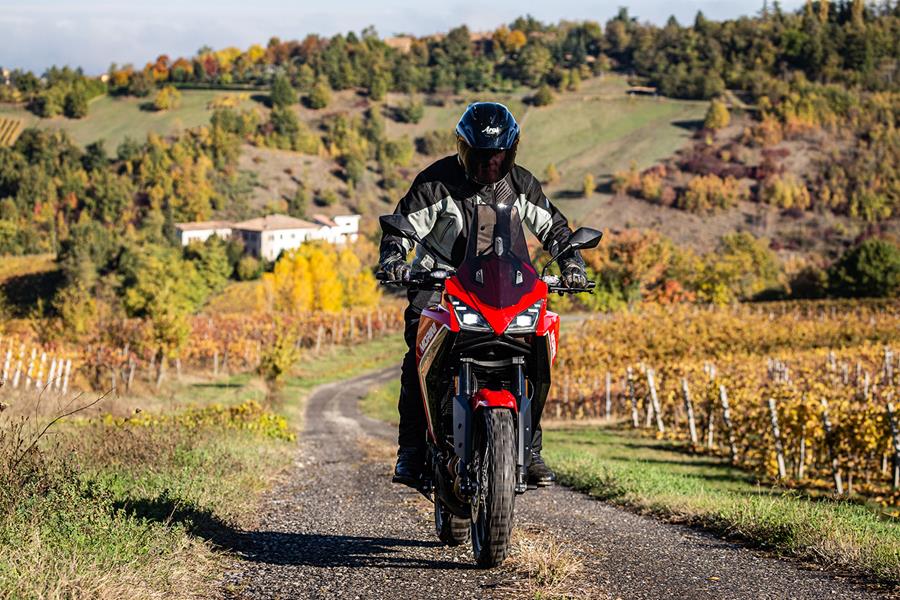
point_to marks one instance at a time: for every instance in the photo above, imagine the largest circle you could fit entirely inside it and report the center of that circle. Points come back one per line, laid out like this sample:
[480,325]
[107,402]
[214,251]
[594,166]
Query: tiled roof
[200,225]
[274,222]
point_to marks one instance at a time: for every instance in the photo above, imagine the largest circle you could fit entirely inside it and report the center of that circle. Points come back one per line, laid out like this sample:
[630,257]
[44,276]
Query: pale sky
[93,33]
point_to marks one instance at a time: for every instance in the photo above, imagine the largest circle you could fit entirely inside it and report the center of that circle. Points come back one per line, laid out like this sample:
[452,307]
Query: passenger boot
[539,474]
[410,464]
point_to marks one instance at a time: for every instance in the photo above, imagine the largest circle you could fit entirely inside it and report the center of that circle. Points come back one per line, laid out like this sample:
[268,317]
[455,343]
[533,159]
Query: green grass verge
[381,403]
[651,476]
[111,508]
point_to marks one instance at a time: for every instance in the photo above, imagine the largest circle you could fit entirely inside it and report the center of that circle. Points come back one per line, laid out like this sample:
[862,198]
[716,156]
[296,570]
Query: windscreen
[497,268]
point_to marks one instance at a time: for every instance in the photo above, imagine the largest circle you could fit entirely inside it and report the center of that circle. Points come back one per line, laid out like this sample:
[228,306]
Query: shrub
[437,141]
[551,174]
[282,94]
[871,269]
[411,112]
[75,105]
[167,98]
[327,198]
[589,185]
[717,116]
[651,186]
[710,193]
[785,191]
[543,96]
[319,96]
[248,268]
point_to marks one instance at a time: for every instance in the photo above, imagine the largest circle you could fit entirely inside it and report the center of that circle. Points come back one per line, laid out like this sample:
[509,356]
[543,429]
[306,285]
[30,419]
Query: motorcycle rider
[441,204]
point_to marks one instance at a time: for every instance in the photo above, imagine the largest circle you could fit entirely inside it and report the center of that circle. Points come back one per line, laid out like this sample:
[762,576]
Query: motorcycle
[484,356]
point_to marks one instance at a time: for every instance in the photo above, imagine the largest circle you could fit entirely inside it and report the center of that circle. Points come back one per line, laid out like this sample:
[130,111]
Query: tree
[211,261]
[75,105]
[320,95]
[411,112]
[717,116]
[168,98]
[282,93]
[589,185]
[299,202]
[871,269]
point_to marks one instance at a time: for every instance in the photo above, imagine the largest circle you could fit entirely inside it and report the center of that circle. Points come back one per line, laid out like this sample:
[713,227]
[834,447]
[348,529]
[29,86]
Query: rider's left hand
[574,276]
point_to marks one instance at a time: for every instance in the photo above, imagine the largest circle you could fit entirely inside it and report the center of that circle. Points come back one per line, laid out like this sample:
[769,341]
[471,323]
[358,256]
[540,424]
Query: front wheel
[495,472]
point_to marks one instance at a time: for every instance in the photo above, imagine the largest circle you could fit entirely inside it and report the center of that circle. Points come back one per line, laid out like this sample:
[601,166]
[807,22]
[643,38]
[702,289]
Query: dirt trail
[335,527]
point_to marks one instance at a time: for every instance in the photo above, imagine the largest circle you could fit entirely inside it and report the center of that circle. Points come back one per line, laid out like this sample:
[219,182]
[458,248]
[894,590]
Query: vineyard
[800,393]
[217,344]
[9,131]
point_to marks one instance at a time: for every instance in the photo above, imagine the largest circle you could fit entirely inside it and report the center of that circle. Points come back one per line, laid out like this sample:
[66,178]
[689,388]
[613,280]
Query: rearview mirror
[398,225]
[584,238]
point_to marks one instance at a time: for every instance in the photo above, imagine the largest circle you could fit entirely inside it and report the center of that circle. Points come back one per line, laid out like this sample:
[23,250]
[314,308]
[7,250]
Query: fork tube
[524,430]
[462,414]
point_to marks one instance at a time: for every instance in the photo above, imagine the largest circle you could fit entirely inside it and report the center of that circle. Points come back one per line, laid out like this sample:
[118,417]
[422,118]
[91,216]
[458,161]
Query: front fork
[463,419]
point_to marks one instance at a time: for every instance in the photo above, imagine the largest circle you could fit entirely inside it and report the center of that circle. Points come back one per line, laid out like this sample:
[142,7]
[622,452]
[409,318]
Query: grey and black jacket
[441,205]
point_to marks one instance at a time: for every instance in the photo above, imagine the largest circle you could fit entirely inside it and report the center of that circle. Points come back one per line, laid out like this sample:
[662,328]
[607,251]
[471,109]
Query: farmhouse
[267,237]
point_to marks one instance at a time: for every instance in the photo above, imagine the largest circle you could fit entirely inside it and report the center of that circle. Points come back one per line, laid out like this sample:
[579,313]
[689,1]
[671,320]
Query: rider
[441,204]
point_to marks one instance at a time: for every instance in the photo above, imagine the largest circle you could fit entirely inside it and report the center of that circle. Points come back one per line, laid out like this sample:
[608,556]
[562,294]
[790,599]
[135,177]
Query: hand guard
[574,276]
[397,270]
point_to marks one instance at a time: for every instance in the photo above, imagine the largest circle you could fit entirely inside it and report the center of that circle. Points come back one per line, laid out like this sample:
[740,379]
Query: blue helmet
[487,137]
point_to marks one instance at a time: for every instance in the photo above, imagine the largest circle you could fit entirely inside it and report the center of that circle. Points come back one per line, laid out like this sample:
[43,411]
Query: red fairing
[549,326]
[498,318]
[485,398]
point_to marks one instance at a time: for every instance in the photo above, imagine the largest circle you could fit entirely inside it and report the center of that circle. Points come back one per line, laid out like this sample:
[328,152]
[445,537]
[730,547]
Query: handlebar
[435,279]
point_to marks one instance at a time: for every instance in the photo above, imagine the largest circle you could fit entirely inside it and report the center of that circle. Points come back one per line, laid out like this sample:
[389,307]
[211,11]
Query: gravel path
[335,527]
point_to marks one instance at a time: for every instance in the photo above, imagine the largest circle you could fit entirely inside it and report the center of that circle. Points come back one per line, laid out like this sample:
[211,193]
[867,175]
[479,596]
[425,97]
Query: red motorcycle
[484,357]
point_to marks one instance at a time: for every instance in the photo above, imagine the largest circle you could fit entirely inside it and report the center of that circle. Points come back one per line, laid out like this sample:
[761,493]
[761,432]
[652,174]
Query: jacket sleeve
[422,207]
[545,221]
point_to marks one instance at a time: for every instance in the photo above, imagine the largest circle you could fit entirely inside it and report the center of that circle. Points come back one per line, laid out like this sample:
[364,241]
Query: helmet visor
[486,165]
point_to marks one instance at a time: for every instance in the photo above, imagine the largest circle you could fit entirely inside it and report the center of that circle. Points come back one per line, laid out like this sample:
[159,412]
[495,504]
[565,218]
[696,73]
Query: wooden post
[726,418]
[655,400]
[30,370]
[161,373]
[18,372]
[776,433]
[689,408]
[6,364]
[832,457]
[51,375]
[608,395]
[130,380]
[895,438]
[178,368]
[635,419]
[369,325]
[65,387]
[215,363]
[320,335]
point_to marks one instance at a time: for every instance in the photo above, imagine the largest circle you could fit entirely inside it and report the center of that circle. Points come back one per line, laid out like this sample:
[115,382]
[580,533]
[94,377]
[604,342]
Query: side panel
[549,327]
[433,329]
[433,318]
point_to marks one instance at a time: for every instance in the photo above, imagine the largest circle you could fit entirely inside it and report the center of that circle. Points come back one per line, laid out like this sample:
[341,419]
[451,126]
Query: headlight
[468,317]
[526,321]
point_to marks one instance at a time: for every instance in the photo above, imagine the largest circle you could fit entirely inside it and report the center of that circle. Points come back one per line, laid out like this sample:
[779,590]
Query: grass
[112,118]
[660,479]
[17,266]
[140,507]
[654,477]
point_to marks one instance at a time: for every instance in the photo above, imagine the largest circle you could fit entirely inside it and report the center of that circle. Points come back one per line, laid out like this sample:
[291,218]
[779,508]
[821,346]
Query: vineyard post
[65,385]
[130,380]
[152,367]
[631,397]
[608,394]
[655,400]
[692,426]
[215,363]
[30,369]
[776,433]
[113,382]
[888,365]
[18,371]
[51,376]
[369,325]
[726,417]
[6,364]
[39,380]
[895,438]
[225,360]
[711,407]
[832,457]
[178,368]
[161,372]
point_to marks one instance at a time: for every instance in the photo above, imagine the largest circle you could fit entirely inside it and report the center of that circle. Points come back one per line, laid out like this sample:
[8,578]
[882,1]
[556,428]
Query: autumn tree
[717,116]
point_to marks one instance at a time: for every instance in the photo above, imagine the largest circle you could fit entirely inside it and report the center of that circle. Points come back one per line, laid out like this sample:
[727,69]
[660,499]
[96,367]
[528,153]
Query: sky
[94,33]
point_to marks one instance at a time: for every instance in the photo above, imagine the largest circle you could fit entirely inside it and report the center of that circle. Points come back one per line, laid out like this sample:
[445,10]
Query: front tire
[495,472]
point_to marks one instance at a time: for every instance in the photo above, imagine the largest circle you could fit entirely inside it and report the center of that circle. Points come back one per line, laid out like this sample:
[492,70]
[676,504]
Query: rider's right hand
[397,270]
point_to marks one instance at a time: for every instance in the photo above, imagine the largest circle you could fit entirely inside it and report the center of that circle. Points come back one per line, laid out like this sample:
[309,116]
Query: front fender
[485,398]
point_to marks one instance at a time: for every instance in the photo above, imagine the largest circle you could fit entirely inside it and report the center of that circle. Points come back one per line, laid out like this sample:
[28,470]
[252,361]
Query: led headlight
[468,317]
[526,321]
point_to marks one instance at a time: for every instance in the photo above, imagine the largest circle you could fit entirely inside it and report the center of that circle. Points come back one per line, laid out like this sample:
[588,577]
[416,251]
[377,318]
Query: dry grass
[545,568]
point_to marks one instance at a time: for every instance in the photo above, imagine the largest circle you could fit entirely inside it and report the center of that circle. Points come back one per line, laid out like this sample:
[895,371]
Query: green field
[112,118]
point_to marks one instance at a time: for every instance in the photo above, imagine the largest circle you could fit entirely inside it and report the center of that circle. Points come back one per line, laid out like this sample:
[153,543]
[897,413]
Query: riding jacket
[441,205]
